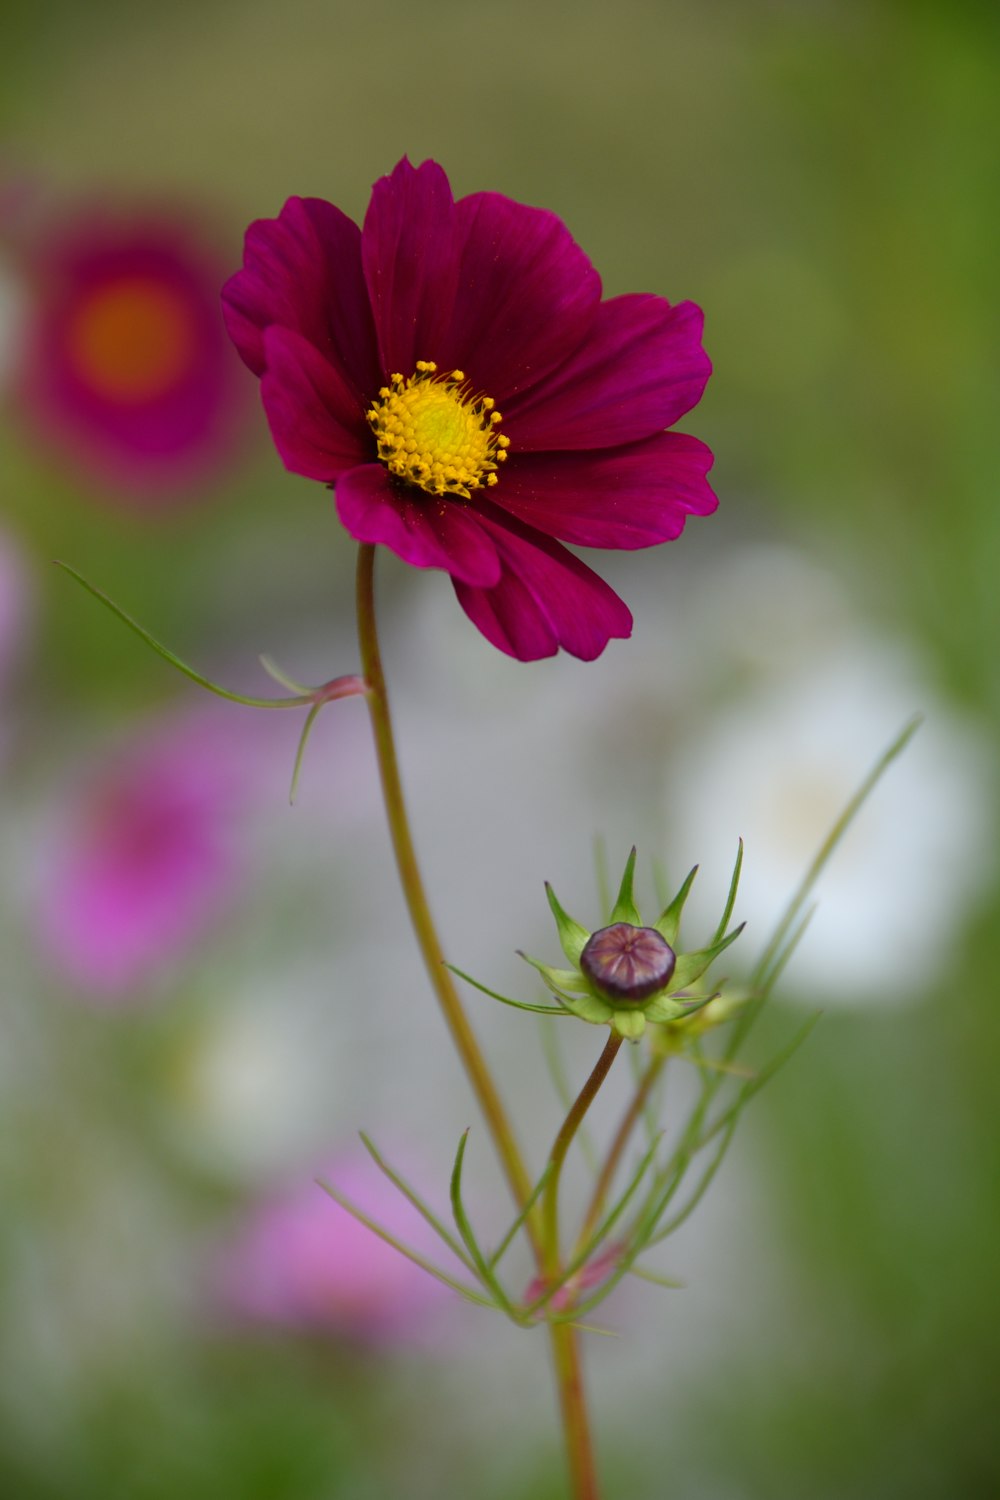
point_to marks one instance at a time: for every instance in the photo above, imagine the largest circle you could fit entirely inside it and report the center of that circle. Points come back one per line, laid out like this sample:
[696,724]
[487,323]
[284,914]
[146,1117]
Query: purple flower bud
[627,963]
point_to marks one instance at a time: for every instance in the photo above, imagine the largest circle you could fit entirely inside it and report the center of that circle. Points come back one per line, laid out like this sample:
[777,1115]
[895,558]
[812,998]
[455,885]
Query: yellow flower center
[433,431]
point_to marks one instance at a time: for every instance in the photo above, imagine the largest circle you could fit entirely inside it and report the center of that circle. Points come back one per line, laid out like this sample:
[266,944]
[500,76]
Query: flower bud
[627,963]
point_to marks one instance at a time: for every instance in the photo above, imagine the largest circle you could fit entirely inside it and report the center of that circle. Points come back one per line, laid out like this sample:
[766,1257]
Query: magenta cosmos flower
[126,374]
[452,370]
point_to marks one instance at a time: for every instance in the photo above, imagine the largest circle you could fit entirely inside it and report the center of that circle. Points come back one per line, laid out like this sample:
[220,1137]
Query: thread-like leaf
[644,1274]
[541,1010]
[390,1239]
[412,1196]
[278,675]
[833,838]
[311,718]
[299,700]
[483,1268]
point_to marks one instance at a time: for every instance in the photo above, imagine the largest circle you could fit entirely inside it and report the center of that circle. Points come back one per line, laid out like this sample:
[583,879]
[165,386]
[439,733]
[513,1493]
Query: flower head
[451,369]
[125,369]
[626,973]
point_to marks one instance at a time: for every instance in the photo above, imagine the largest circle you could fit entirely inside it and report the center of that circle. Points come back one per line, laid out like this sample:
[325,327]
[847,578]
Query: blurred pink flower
[145,857]
[302,1261]
[125,373]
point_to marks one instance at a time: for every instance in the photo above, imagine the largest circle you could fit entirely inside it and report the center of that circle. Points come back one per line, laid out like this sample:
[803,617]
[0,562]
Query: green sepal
[624,909]
[557,979]
[669,922]
[588,1007]
[631,1024]
[662,1009]
[572,936]
[691,966]
[734,886]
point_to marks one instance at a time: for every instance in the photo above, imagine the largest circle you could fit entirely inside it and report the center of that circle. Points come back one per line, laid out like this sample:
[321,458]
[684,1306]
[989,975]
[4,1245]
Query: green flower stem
[416,899]
[573,1407]
[614,1156]
[562,1143]
[565,1349]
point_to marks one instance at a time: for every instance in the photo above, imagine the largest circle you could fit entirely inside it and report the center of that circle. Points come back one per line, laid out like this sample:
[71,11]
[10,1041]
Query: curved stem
[618,1145]
[416,898]
[571,1124]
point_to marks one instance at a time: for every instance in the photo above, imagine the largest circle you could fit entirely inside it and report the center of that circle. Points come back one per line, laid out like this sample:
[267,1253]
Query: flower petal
[623,498]
[310,409]
[409,252]
[424,530]
[303,271]
[545,598]
[641,368]
[526,295]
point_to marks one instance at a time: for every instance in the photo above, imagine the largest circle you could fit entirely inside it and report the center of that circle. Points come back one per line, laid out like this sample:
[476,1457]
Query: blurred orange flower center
[435,432]
[132,340]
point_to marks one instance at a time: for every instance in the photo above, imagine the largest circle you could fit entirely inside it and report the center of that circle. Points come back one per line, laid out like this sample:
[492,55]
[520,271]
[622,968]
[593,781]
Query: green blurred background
[821,178]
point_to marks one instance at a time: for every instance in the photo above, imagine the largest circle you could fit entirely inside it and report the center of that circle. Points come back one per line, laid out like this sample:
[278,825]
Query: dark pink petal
[623,498]
[526,296]
[546,598]
[424,530]
[313,420]
[302,271]
[641,368]
[410,253]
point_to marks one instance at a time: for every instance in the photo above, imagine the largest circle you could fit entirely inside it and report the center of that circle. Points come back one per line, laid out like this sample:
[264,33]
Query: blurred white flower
[778,766]
[252,1084]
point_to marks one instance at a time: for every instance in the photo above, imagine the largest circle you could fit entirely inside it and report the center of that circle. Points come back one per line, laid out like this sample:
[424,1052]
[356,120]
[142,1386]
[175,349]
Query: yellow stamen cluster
[433,431]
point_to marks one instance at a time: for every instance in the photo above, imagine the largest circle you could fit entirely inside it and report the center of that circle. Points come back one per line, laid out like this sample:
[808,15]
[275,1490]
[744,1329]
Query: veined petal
[409,251]
[302,271]
[423,530]
[641,368]
[545,597]
[310,410]
[622,498]
[526,295]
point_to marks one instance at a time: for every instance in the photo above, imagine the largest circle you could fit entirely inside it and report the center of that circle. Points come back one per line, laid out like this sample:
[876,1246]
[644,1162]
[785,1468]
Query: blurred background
[204,993]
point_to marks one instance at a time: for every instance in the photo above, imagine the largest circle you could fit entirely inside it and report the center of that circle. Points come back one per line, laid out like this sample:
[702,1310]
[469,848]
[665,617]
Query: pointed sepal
[624,909]
[572,936]
[669,922]
[691,966]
